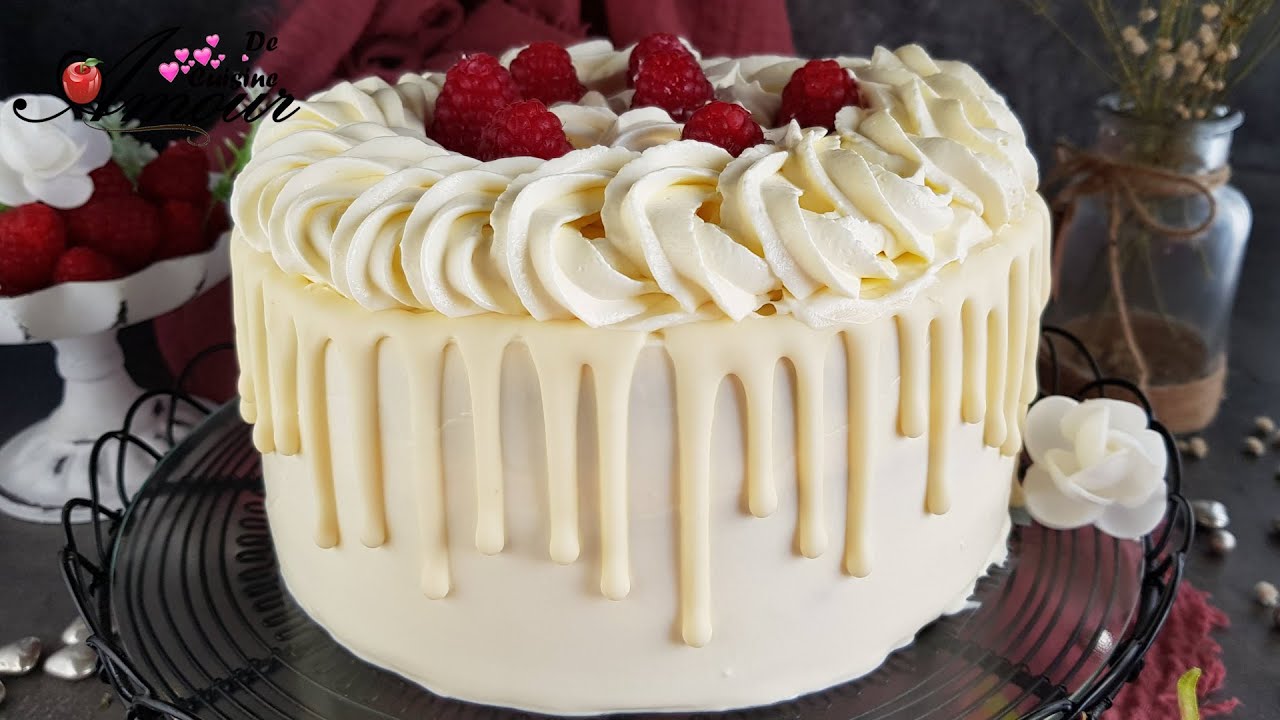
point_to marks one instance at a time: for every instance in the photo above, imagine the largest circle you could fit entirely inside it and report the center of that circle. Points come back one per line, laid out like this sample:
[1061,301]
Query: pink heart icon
[190,63]
[169,70]
[212,39]
[181,54]
[221,56]
[202,55]
[186,69]
[214,63]
[244,58]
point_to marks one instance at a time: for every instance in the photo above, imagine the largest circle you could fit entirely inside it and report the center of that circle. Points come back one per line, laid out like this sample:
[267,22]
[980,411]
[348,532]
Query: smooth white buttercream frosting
[831,226]
[790,450]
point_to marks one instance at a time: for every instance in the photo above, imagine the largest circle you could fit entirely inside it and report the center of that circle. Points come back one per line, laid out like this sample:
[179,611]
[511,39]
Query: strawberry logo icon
[81,81]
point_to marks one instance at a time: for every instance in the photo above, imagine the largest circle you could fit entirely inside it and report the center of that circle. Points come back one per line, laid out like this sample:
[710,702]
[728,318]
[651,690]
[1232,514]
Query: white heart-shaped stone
[21,657]
[73,662]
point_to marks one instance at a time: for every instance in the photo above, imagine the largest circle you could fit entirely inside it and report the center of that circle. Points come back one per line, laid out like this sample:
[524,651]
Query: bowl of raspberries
[136,249]
[144,242]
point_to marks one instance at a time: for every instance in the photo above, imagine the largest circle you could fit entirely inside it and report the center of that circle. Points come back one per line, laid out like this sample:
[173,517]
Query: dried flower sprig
[1177,58]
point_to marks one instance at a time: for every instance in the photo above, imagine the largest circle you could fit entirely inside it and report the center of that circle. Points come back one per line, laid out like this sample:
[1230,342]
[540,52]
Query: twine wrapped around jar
[1124,186]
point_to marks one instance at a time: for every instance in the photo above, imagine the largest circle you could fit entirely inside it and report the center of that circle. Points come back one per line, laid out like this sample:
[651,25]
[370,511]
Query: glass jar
[1153,304]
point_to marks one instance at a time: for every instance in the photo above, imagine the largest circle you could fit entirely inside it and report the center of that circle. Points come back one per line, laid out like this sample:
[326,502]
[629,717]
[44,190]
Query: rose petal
[1070,421]
[11,148]
[95,148]
[1087,428]
[1061,462]
[36,147]
[43,106]
[53,155]
[1052,508]
[64,191]
[1126,417]
[1043,426]
[12,191]
[1131,523]
[1141,477]
[1153,448]
[1097,482]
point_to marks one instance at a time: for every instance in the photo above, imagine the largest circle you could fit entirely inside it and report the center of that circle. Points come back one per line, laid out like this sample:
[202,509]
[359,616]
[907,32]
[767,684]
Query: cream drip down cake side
[640,402]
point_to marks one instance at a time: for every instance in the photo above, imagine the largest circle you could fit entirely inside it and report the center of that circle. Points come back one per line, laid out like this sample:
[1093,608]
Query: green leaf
[1188,706]
[3,207]
[232,162]
[128,152]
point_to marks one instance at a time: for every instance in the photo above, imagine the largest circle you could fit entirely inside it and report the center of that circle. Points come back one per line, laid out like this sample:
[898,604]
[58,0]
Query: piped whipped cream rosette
[625,217]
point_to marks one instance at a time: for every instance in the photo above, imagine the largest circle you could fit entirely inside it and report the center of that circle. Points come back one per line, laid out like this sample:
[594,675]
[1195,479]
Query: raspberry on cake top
[640,188]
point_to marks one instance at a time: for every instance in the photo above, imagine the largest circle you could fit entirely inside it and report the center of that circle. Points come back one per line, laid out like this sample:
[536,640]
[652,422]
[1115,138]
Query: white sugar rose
[1094,462]
[48,161]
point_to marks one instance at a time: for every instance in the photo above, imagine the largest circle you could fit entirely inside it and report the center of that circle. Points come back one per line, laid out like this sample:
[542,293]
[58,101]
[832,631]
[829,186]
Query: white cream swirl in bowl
[635,228]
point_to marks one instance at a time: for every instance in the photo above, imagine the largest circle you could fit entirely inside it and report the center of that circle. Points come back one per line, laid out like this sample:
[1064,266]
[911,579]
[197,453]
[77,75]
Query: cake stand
[192,621]
[47,464]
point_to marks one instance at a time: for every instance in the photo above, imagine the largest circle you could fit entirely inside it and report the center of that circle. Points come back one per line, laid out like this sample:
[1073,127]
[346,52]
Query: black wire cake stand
[191,620]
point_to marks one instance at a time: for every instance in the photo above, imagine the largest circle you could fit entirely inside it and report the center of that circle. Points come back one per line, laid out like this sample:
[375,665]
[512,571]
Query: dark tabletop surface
[33,600]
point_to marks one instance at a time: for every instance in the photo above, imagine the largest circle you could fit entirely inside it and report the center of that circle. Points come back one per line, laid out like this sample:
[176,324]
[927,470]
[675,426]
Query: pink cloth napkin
[322,41]
[1185,642]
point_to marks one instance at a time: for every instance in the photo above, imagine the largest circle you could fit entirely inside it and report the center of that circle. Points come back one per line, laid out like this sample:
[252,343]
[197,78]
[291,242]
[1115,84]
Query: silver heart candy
[21,657]
[73,662]
[76,633]
[1222,542]
[1210,514]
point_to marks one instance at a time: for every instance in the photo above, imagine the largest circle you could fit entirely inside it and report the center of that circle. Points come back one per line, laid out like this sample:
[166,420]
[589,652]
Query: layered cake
[629,380]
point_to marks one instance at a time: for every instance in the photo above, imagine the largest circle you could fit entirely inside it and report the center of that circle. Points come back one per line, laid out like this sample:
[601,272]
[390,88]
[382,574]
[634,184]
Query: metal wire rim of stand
[87,573]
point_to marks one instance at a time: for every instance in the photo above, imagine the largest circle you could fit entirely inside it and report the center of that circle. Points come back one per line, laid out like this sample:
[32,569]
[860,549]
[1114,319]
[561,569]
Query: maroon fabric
[1185,642]
[322,41]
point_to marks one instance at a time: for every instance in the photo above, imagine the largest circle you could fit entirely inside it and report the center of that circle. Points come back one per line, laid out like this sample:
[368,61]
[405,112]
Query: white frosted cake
[641,423]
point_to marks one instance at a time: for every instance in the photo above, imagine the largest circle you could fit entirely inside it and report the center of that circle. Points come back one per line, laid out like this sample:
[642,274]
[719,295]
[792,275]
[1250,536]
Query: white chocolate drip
[967,351]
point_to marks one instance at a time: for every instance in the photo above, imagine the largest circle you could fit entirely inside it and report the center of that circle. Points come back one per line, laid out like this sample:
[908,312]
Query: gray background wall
[1046,81]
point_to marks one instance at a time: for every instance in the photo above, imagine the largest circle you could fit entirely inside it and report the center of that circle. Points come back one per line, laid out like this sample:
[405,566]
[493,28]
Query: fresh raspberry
[544,71]
[725,124]
[816,92]
[125,228]
[32,237]
[182,230]
[82,264]
[674,82]
[648,45]
[217,222]
[181,172]
[109,180]
[526,128]
[475,88]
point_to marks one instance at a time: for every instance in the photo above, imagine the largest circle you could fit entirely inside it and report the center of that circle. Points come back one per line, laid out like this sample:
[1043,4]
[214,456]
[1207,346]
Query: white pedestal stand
[47,464]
